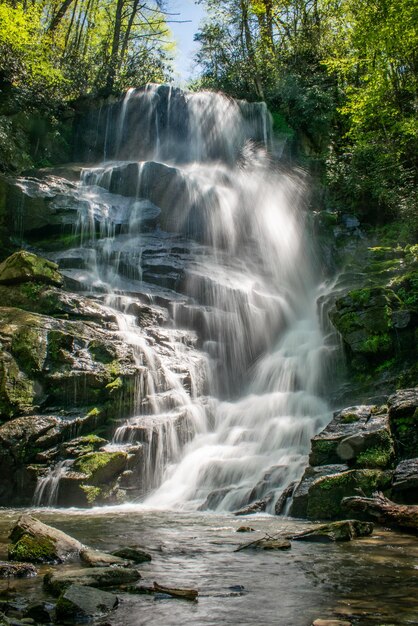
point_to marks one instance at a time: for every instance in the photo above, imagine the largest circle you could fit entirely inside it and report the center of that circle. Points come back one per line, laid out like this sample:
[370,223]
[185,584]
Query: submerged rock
[37,542]
[81,603]
[95,558]
[132,553]
[345,530]
[57,581]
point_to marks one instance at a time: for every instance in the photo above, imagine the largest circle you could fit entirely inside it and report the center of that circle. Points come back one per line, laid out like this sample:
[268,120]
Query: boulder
[301,493]
[326,493]
[403,418]
[95,558]
[23,267]
[132,553]
[359,436]
[345,530]
[82,603]
[55,582]
[405,482]
[259,506]
[37,542]
[17,570]
[40,612]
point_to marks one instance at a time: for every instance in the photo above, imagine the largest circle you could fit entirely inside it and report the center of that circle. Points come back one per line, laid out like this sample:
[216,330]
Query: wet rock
[267,543]
[132,553]
[23,267]
[100,577]
[405,482]
[175,592]
[37,542]
[330,622]
[345,530]
[359,436]
[95,558]
[41,612]
[326,493]
[81,603]
[311,475]
[245,529]
[403,417]
[17,570]
[284,497]
[256,507]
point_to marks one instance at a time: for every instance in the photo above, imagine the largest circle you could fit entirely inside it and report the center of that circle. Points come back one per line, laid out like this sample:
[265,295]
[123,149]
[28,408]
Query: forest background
[339,76]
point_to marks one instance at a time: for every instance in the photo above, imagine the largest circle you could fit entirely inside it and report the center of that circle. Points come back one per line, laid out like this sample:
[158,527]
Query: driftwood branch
[384,510]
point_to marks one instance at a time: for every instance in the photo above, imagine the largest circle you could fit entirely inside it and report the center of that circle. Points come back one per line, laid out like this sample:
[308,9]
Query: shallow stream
[372,581]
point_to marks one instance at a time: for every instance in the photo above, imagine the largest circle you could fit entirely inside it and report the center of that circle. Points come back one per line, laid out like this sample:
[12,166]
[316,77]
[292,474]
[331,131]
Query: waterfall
[190,213]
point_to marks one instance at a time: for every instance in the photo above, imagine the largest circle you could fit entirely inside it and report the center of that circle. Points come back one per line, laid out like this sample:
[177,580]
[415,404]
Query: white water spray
[192,216]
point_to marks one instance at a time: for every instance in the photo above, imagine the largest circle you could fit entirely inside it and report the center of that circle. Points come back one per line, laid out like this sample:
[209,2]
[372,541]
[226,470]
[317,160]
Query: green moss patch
[325,495]
[33,550]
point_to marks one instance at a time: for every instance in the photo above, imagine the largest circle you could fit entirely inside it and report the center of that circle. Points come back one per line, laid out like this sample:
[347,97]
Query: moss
[99,466]
[375,457]
[376,344]
[33,550]
[115,385]
[17,392]
[23,266]
[101,352]
[323,452]
[92,493]
[325,495]
[405,431]
[349,418]
[29,347]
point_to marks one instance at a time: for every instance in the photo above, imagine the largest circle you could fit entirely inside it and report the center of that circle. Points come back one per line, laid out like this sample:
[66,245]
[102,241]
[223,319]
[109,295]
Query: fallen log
[384,510]
[186,594]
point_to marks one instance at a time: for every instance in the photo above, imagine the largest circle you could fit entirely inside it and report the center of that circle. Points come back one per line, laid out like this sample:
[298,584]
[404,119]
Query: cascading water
[192,216]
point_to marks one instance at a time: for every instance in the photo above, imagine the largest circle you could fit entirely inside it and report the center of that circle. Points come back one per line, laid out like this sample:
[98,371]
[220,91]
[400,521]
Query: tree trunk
[384,511]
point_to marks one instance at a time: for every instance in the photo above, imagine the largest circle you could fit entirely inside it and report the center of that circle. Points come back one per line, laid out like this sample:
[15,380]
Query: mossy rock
[101,467]
[326,493]
[403,416]
[17,390]
[33,550]
[23,267]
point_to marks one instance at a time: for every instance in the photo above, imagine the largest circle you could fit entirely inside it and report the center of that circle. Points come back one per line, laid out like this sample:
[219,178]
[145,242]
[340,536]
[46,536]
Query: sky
[183,34]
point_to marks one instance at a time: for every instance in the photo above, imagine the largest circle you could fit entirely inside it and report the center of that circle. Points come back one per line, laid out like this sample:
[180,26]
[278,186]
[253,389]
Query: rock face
[375,309]
[371,441]
[67,375]
[403,415]
[36,542]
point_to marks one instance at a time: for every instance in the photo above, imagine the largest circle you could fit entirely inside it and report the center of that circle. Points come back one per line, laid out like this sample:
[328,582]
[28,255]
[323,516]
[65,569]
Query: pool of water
[372,580]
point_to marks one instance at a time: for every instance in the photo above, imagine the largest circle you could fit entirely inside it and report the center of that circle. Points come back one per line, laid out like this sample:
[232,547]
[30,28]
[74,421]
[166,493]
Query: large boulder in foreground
[81,603]
[36,542]
[24,267]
